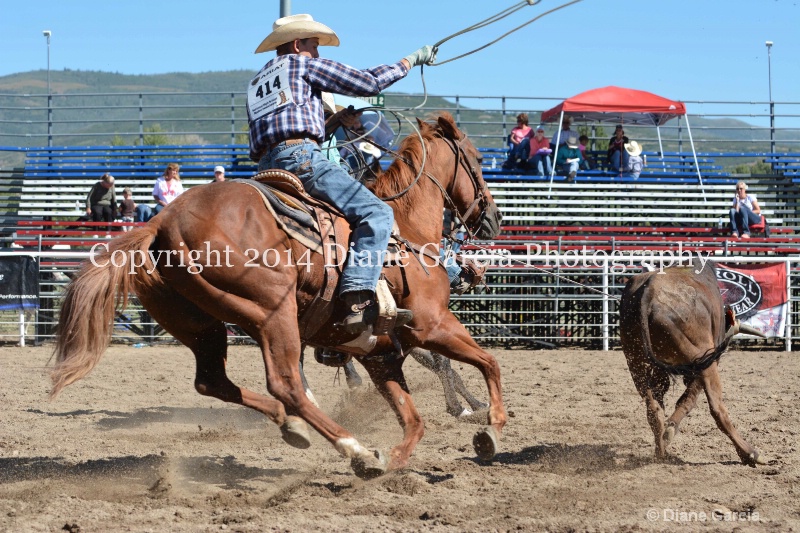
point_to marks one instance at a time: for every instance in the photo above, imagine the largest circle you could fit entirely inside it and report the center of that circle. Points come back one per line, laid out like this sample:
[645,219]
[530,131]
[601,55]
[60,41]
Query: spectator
[588,161]
[569,158]
[560,137]
[127,207]
[539,156]
[518,142]
[634,162]
[167,187]
[219,173]
[745,211]
[101,202]
[616,148]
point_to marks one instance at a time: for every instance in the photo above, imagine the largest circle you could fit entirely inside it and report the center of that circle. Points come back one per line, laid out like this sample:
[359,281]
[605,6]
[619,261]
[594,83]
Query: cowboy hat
[287,29]
[370,149]
[633,148]
[572,142]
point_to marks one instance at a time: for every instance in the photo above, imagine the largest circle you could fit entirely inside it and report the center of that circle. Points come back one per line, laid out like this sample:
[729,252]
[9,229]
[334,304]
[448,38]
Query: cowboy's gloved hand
[424,56]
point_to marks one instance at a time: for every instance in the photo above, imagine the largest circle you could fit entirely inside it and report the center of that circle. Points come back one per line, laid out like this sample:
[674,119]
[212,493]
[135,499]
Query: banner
[757,294]
[19,282]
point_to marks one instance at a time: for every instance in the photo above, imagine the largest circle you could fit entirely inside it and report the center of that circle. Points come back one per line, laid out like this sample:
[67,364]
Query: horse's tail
[88,309]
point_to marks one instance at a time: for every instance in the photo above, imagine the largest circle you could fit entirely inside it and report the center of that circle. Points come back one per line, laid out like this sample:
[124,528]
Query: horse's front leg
[386,372]
[451,339]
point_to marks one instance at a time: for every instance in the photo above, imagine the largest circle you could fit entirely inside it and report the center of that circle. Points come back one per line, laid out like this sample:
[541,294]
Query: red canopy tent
[621,106]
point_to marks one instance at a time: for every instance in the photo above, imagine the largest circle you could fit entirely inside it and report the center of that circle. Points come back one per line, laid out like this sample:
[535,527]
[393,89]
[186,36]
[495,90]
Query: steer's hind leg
[654,400]
[713,386]
[684,405]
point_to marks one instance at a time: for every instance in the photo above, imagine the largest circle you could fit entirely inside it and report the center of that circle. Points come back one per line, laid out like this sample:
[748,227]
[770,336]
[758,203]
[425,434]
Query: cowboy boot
[363,310]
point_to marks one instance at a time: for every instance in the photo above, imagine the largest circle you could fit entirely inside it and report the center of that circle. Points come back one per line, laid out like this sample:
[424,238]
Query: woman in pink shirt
[539,155]
[518,141]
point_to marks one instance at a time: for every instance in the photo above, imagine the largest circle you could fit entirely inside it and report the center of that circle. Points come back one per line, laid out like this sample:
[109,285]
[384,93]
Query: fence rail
[220,117]
[531,301]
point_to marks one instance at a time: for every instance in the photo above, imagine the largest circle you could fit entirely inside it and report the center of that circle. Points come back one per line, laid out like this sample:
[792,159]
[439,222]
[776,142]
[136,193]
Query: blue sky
[681,49]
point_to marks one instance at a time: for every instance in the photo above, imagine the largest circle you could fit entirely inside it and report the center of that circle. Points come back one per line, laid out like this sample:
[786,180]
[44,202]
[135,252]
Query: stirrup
[472,274]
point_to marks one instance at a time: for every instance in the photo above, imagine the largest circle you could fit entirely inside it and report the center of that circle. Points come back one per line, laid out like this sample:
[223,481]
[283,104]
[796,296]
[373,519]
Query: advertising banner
[757,294]
[19,282]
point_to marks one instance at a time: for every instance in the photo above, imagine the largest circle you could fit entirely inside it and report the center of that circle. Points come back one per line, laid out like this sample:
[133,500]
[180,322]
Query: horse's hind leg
[458,384]
[386,373]
[207,338]
[426,359]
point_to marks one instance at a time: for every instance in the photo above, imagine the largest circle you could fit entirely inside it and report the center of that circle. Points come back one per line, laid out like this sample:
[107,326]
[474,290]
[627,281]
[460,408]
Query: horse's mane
[403,171]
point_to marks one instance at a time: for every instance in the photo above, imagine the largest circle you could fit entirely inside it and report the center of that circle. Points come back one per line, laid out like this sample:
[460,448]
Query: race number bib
[270,91]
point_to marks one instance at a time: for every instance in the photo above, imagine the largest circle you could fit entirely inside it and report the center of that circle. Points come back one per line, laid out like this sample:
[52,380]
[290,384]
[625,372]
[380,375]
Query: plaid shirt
[308,78]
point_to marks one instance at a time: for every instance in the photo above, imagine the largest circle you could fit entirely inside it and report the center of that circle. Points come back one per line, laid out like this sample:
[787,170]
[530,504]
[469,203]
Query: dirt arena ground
[134,448]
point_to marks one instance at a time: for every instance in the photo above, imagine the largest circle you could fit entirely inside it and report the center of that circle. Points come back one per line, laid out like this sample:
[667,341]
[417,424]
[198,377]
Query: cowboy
[284,110]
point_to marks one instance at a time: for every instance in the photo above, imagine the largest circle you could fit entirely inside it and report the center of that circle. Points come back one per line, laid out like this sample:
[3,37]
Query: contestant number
[270,91]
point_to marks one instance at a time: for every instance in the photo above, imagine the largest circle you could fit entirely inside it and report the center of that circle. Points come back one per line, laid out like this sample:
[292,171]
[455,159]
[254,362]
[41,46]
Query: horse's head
[466,189]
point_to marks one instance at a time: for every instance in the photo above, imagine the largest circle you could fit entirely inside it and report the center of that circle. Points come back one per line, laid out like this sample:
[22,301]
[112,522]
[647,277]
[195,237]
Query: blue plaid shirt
[308,77]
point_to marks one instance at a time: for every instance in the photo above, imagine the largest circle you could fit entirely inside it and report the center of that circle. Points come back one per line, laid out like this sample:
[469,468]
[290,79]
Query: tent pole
[694,153]
[555,154]
[661,147]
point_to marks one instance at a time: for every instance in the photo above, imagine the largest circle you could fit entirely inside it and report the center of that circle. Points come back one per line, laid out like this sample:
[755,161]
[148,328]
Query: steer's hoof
[369,465]
[669,433]
[485,443]
[295,432]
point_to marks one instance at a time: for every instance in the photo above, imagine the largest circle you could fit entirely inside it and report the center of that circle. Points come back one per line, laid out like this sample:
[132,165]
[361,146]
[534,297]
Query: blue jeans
[370,218]
[143,213]
[541,163]
[570,167]
[743,218]
[615,163]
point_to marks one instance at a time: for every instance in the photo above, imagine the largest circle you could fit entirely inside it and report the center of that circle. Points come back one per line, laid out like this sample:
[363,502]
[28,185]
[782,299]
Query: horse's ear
[449,128]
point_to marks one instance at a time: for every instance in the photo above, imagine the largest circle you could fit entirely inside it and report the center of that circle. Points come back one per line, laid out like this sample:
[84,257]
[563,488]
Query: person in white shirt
[167,187]
[745,211]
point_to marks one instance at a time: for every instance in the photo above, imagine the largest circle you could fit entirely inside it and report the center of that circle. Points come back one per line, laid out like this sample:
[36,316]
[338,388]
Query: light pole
[47,34]
[771,103]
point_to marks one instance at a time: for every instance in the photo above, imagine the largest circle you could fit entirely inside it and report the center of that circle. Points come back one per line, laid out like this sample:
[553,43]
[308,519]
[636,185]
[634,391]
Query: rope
[491,20]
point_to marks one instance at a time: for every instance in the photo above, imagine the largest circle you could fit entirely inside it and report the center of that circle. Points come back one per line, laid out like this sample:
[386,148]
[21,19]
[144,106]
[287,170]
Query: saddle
[322,229]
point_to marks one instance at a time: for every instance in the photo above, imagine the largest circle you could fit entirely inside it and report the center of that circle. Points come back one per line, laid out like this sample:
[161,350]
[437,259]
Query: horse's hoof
[369,465]
[295,432]
[485,443]
[754,459]
[669,433]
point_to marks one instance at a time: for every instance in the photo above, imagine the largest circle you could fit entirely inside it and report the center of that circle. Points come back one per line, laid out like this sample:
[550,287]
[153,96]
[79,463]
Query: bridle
[480,189]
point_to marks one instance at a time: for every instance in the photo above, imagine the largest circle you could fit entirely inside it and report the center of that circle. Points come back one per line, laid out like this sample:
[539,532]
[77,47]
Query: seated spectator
[167,187]
[588,161]
[634,162]
[539,156]
[616,148]
[560,137]
[518,143]
[569,158]
[127,207]
[101,202]
[745,211]
[219,174]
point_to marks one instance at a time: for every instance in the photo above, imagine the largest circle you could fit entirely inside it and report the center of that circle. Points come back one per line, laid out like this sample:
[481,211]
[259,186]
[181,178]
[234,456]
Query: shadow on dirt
[582,458]
[224,472]
[237,417]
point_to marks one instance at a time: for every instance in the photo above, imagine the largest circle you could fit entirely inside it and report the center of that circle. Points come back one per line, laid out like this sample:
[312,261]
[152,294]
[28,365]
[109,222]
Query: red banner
[757,294]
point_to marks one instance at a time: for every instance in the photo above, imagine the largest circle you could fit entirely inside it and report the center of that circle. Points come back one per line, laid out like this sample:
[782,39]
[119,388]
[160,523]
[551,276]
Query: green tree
[154,136]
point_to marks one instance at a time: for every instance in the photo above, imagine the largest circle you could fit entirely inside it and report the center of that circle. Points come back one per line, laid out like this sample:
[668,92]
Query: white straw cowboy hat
[287,29]
[572,142]
[633,148]
[370,149]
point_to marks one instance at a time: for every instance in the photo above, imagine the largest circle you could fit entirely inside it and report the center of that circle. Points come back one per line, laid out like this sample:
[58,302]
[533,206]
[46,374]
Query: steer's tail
[88,309]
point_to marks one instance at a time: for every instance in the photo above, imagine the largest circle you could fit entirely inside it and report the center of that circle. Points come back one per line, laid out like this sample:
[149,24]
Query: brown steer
[674,323]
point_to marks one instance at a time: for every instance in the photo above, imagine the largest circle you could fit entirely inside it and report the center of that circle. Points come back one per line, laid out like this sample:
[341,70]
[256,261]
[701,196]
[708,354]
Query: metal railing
[553,301]
[220,117]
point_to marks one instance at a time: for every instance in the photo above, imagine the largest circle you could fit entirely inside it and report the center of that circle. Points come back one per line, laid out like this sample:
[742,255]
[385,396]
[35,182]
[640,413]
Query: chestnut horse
[223,223]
